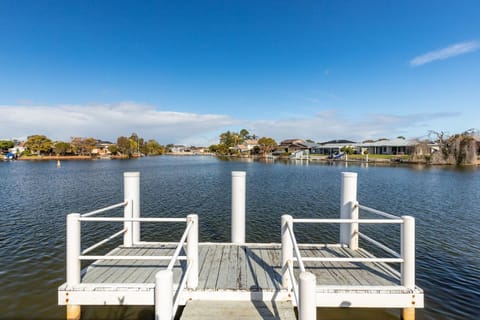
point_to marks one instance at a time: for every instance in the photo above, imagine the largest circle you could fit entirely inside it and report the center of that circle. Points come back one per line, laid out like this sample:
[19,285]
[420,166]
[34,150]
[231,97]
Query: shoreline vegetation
[440,149]
[373,159]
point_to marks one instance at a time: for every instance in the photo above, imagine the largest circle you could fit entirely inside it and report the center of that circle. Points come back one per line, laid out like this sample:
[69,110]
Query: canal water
[36,196]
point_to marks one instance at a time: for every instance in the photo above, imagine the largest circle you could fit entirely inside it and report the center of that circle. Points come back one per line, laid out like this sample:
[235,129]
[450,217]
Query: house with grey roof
[396,146]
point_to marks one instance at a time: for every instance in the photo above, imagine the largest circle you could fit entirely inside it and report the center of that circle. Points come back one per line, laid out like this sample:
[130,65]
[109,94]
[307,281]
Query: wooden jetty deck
[244,273]
[242,280]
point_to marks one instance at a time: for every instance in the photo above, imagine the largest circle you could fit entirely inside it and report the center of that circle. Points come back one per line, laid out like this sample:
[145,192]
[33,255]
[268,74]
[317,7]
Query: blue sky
[184,71]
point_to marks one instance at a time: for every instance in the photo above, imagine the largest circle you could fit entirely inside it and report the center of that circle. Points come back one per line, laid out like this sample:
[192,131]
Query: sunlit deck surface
[241,273]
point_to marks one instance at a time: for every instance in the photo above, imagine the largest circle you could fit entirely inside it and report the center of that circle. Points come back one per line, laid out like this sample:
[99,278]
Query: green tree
[113,148]
[310,141]
[347,150]
[89,145]
[266,144]
[152,148]
[5,145]
[213,148]
[38,144]
[230,139]
[62,148]
[134,143]
[244,134]
[124,145]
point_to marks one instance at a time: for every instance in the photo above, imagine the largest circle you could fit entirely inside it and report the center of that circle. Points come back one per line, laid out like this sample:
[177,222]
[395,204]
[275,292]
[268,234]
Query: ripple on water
[33,209]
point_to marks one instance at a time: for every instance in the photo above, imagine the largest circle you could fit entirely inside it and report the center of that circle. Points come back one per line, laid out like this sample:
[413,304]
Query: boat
[9,157]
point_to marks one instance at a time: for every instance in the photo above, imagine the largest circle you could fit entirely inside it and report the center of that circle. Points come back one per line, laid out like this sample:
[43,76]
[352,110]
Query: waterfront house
[396,146]
[291,145]
[101,148]
[333,147]
[247,146]
[178,148]
[18,148]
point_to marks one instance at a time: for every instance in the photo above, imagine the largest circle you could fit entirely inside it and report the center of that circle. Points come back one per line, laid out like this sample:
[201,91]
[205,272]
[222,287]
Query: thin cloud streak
[445,53]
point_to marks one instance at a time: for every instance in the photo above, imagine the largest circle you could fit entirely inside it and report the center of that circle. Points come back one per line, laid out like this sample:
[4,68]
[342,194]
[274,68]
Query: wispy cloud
[329,124]
[445,53]
[109,121]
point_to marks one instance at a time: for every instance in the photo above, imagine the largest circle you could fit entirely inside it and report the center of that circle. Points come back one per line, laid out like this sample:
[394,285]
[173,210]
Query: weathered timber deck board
[242,267]
[203,271]
[224,269]
[212,267]
[131,271]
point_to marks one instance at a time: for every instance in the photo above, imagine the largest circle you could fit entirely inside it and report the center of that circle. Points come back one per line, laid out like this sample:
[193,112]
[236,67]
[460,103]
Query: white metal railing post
[408,252]
[307,304]
[287,250]
[73,264]
[192,252]
[128,225]
[348,195]
[238,206]
[164,295]
[131,182]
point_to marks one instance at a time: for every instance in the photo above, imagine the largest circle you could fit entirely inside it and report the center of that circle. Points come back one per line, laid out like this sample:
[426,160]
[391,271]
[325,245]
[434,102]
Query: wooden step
[238,310]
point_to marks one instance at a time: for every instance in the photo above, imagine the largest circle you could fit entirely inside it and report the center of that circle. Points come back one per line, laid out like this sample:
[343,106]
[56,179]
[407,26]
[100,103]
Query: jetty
[239,280]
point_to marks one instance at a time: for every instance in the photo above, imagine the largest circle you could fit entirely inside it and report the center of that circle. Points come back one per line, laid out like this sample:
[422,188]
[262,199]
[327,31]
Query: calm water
[35,198]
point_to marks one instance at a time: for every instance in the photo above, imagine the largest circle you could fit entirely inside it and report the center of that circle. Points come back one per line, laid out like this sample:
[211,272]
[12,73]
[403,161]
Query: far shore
[315,158]
[48,158]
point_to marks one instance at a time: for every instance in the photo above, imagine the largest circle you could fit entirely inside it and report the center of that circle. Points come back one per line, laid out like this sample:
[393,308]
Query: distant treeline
[127,146]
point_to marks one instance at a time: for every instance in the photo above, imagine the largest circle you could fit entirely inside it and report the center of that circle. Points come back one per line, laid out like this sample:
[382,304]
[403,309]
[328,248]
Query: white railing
[304,292]
[189,277]
[349,236]
[166,300]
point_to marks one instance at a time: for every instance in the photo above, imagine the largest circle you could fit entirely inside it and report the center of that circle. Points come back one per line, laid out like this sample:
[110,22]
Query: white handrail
[293,281]
[342,259]
[366,221]
[180,245]
[119,219]
[118,205]
[182,285]
[295,247]
[380,245]
[380,213]
[98,244]
[107,257]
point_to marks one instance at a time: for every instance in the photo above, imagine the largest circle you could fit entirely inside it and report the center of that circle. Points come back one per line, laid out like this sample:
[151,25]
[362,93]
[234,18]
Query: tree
[347,150]
[5,145]
[135,143]
[90,144]
[309,141]
[152,148]
[61,148]
[113,148]
[77,145]
[244,134]
[459,149]
[38,144]
[124,146]
[266,144]
[230,139]
[213,148]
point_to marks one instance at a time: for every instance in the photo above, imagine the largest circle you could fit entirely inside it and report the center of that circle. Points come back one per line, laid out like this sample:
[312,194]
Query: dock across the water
[240,280]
